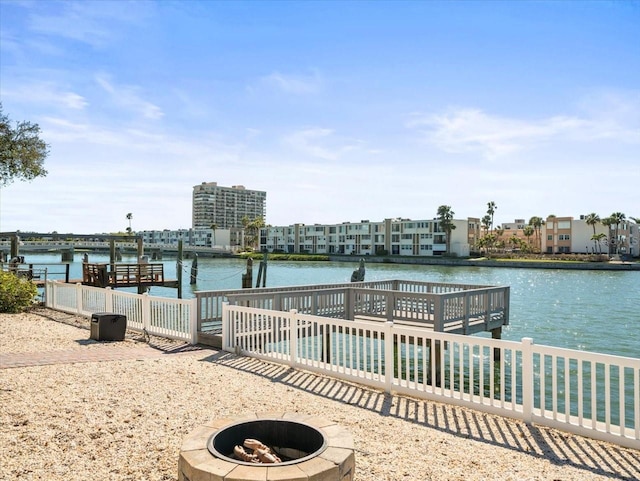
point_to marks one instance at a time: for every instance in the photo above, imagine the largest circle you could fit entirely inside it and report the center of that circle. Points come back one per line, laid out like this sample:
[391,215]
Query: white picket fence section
[159,316]
[590,394]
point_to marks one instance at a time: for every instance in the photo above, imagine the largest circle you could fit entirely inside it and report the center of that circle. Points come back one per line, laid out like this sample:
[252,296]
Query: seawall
[515,264]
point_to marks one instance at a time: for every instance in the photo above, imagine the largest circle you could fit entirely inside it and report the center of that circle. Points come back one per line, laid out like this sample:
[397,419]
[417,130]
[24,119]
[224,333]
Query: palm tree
[608,222]
[514,240]
[486,223]
[491,209]
[536,222]
[445,217]
[597,239]
[257,225]
[252,228]
[618,217]
[129,217]
[528,232]
[593,219]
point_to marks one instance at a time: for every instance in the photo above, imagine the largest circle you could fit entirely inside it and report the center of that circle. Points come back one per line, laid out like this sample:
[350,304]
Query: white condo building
[225,207]
[407,237]
[391,236]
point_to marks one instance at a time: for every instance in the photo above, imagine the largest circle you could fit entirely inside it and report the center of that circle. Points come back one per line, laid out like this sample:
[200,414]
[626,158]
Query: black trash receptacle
[108,326]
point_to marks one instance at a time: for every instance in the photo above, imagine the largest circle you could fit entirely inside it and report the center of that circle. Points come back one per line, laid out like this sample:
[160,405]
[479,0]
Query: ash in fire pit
[269,440]
[309,447]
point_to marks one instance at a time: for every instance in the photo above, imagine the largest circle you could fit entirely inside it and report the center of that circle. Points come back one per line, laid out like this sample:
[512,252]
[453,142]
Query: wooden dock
[125,275]
[451,308]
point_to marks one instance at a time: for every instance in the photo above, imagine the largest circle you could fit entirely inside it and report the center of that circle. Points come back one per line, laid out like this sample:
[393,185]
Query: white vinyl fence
[590,394]
[159,316]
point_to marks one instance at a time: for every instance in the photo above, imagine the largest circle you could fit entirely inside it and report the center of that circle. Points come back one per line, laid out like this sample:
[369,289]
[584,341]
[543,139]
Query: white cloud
[138,142]
[93,23]
[295,84]
[128,97]
[472,130]
[466,130]
[321,143]
[46,93]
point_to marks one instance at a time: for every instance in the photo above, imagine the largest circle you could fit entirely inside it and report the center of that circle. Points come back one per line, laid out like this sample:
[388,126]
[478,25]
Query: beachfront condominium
[225,207]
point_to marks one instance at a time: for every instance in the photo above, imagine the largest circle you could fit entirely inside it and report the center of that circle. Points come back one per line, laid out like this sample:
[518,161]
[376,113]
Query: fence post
[48,297]
[146,311]
[389,358]
[487,310]
[293,337]
[226,328]
[507,293]
[193,321]
[348,303]
[467,300]
[438,313]
[78,298]
[390,300]
[277,302]
[527,379]
[108,299]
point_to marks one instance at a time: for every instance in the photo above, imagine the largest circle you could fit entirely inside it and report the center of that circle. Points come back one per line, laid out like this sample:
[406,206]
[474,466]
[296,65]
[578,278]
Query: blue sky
[340,111]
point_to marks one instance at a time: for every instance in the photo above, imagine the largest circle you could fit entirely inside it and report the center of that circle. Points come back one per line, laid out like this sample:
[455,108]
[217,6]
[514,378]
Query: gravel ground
[125,420]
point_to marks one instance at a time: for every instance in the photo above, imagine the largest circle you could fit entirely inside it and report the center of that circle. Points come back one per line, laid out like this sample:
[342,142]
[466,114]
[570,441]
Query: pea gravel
[125,419]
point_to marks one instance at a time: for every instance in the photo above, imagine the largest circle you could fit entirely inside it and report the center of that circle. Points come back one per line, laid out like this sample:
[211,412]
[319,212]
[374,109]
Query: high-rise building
[225,207]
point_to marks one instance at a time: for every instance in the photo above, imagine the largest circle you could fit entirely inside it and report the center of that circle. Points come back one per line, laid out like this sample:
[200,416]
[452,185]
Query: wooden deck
[440,307]
[125,275]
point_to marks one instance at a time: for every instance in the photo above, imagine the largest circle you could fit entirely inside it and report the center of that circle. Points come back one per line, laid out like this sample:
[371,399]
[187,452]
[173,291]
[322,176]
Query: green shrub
[16,294]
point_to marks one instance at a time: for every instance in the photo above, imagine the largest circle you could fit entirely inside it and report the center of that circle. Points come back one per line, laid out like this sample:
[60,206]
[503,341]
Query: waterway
[597,311]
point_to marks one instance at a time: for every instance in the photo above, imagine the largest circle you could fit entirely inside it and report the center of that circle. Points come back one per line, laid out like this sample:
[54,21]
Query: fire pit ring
[293,441]
[310,447]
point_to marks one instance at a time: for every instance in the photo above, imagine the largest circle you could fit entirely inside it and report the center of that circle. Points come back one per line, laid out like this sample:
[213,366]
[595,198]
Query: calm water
[596,311]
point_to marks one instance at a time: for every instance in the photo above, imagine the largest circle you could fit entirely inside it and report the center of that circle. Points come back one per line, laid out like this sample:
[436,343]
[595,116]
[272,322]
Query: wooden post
[194,269]
[143,273]
[112,253]
[15,247]
[264,279]
[496,334]
[262,271]
[179,269]
[247,278]
[140,248]
[260,267]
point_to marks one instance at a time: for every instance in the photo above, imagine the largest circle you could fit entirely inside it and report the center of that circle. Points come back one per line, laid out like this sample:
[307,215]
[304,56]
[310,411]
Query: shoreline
[505,263]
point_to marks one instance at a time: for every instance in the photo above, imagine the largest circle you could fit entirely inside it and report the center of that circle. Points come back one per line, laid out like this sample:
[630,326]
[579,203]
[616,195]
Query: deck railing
[160,316]
[443,307]
[590,394]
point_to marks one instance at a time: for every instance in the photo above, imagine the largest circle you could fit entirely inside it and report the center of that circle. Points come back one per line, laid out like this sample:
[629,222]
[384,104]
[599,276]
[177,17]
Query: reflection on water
[588,310]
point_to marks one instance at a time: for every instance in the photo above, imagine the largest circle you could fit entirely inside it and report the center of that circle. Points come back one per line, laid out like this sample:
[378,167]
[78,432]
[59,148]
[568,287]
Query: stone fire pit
[311,449]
